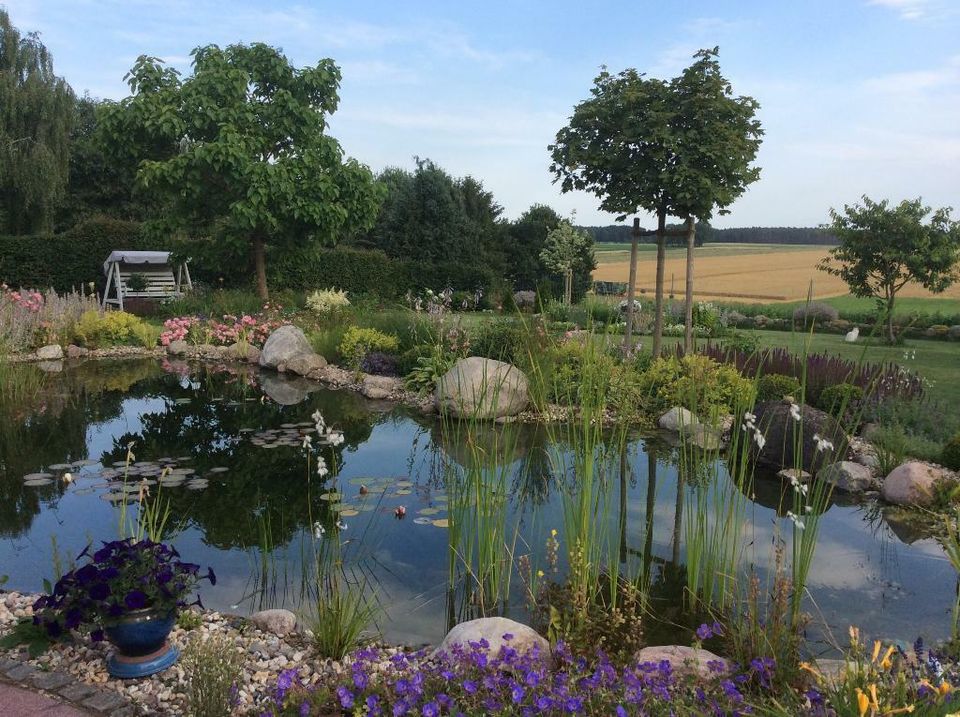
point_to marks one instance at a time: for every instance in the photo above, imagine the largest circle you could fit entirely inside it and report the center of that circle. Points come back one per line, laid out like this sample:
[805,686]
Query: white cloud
[907,9]
[948,75]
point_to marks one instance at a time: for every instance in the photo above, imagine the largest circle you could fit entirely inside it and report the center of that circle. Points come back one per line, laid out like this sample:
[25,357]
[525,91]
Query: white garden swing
[157,279]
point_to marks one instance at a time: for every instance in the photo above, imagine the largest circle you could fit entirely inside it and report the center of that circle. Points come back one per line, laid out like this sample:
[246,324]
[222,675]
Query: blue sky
[857,96]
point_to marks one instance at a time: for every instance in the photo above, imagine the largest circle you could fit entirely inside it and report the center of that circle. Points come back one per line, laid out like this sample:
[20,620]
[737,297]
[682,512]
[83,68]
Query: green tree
[564,253]
[883,248]
[36,113]
[238,151]
[528,237]
[681,148]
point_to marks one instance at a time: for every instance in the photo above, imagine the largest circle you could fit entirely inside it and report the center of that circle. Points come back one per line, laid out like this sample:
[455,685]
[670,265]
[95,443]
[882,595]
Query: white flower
[759,438]
[795,412]
[796,519]
[306,442]
[322,469]
[318,531]
[809,508]
[822,443]
[749,417]
[341,525]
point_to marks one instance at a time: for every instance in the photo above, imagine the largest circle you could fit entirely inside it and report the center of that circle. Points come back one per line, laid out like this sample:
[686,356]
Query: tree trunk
[568,287]
[661,261]
[631,291]
[260,265]
[891,297]
[688,322]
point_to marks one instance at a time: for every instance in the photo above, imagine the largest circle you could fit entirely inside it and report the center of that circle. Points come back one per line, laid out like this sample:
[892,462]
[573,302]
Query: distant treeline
[737,235]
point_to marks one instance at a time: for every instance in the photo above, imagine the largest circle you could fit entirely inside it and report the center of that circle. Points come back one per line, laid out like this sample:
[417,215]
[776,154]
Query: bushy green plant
[707,317]
[556,311]
[324,302]
[924,418]
[213,667]
[430,365]
[343,613]
[114,328]
[893,446]
[774,386]
[950,456]
[501,339]
[698,383]
[326,342]
[840,395]
[575,364]
[599,311]
[746,341]
[209,302]
[357,342]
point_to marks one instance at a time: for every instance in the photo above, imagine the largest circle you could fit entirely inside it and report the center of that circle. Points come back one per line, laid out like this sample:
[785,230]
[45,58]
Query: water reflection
[254,519]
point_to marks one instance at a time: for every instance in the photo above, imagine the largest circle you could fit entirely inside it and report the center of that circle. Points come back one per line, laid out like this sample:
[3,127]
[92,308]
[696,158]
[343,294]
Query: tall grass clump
[212,667]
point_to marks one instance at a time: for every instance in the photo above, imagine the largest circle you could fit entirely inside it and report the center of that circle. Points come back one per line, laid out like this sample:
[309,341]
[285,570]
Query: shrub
[950,456]
[745,342]
[429,364]
[30,318]
[602,312]
[841,395]
[326,342]
[774,386]
[576,365]
[556,311]
[698,383]
[114,328]
[708,319]
[893,446]
[324,302]
[815,312]
[212,669]
[379,363]
[503,340]
[358,342]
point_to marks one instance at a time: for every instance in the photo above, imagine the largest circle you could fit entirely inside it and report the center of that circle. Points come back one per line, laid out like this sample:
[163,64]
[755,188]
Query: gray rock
[912,484]
[242,352]
[286,391]
[790,474]
[178,348]
[278,622]
[676,418]
[379,387]
[51,352]
[492,629]
[482,388]
[525,298]
[76,351]
[704,437]
[282,345]
[303,364]
[849,477]
[689,660]
[953,333]
[781,432]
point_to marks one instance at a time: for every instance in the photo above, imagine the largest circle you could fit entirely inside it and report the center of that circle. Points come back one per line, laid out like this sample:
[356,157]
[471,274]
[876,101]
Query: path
[24,703]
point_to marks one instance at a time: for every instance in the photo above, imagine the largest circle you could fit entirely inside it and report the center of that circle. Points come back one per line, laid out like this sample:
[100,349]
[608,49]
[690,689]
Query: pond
[242,502]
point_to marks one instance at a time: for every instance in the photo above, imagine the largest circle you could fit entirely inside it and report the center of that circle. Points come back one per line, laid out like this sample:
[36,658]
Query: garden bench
[160,279]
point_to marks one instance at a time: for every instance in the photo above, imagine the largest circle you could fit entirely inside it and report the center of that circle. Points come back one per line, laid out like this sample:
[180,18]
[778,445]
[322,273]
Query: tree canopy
[238,151]
[36,113]
[566,250]
[883,248]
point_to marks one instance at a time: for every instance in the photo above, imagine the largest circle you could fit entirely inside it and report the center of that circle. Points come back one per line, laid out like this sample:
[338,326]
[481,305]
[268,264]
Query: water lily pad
[35,482]
[182,401]
[428,511]
[360,481]
[367,507]
[84,491]
[423,521]
[403,484]
[332,495]
[349,513]
[219,469]
[196,485]
[403,491]
[61,466]
[288,425]
[37,476]
[119,464]
[113,497]
[184,459]
[441,523]
[83,463]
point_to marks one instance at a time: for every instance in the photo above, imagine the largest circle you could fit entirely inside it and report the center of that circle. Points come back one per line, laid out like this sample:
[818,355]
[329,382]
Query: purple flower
[346,697]
[135,600]
[704,632]
[99,591]
[507,637]
[431,709]
[470,686]
[516,693]
[304,709]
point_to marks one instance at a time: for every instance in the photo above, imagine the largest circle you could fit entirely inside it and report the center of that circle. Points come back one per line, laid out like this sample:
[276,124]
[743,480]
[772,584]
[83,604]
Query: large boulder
[178,348]
[303,364]
[849,477]
[283,345]
[379,387]
[676,418]
[685,660]
[279,622]
[482,388]
[912,484]
[499,632]
[53,352]
[782,432]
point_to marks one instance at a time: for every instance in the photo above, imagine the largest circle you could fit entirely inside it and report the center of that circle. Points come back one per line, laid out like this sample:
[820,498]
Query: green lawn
[948,308]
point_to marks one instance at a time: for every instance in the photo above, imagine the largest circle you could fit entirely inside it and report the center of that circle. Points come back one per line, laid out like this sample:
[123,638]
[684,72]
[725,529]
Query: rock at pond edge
[482,388]
[492,629]
[278,621]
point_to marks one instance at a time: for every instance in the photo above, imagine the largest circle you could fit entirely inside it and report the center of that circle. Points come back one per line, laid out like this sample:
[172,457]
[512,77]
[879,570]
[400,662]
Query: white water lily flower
[306,442]
[341,525]
[795,412]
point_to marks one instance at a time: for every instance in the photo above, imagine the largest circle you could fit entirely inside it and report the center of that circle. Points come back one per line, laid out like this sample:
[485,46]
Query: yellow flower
[873,697]
[886,663]
[539,573]
[553,533]
[876,650]
[811,669]
[945,688]
[862,702]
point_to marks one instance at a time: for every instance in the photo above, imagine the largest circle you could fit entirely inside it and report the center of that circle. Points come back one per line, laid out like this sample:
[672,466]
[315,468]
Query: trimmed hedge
[68,260]
[362,271]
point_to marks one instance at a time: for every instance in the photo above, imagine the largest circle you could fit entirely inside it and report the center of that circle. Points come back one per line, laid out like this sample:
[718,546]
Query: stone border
[66,689]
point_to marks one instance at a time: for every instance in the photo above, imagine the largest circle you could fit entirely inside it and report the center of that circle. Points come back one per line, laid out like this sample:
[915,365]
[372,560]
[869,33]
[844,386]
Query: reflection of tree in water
[52,428]
[203,419]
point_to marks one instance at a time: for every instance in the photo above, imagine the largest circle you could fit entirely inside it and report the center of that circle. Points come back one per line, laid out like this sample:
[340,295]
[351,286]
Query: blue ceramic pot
[141,641]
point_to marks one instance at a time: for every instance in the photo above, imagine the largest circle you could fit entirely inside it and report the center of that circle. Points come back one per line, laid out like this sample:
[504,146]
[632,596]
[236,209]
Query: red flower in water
[399,512]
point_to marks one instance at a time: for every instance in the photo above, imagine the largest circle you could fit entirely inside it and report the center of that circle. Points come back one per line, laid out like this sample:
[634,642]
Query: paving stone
[77,691]
[20,672]
[128,711]
[50,681]
[104,702]
[7,664]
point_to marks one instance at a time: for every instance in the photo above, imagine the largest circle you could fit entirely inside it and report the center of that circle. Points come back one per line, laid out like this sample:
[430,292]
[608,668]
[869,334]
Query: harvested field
[760,274]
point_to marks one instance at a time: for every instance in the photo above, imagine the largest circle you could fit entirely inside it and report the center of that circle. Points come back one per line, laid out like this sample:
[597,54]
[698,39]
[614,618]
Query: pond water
[240,502]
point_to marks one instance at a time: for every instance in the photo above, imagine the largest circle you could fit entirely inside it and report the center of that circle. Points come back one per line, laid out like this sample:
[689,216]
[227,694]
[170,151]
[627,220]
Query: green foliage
[568,250]
[882,248]
[69,260]
[205,302]
[188,620]
[26,634]
[137,282]
[357,342]
[746,341]
[429,365]
[343,613]
[950,456]
[893,446]
[213,668]
[36,113]
[576,365]
[839,395]
[697,383]
[774,386]
[502,339]
[114,328]
[238,151]
[815,313]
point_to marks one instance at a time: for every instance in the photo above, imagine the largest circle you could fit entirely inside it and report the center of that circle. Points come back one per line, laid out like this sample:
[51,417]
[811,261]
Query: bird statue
[852,335]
